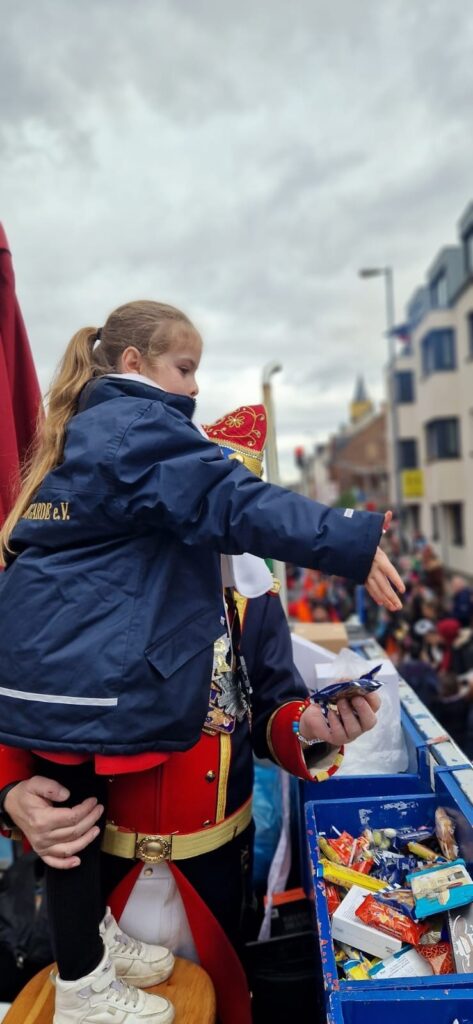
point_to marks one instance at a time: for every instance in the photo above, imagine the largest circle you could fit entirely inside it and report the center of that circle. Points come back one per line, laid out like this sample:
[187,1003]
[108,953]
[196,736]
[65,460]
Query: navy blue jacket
[109,611]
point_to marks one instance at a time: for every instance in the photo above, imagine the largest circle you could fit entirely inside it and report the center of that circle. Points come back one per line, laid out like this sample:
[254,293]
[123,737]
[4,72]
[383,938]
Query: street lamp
[271,450]
[387,273]
[272,467]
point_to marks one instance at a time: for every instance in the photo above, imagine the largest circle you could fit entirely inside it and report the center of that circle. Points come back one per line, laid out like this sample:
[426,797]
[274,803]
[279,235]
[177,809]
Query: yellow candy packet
[346,877]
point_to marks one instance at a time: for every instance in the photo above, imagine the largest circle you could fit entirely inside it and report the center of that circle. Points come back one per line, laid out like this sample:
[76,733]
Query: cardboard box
[331,635]
[347,927]
[405,964]
[307,656]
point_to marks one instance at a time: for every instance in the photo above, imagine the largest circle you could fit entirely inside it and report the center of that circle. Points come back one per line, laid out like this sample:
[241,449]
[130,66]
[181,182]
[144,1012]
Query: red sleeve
[314,763]
[15,765]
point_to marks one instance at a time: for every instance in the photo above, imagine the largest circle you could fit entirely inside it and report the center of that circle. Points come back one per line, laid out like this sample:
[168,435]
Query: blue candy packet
[347,688]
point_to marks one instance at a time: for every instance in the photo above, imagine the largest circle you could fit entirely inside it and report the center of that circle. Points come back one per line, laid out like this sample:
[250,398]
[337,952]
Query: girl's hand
[382,577]
[57,834]
[343,725]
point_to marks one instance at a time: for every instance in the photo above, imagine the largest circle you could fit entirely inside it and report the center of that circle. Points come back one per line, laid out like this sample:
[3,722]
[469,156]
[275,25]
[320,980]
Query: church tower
[361,406]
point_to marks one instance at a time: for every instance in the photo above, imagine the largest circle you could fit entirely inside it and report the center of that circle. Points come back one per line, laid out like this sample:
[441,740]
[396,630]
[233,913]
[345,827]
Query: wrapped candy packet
[356,970]
[340,955]
[400,899]
[439,956]
[406,963]
[344,845]
[347,688]
[441,887]
[390,921]
[333,897]
[363,866]
[421,851]
[445,832]
[392,867]
[378,838]
[403,836]
[327,850]
[346,877]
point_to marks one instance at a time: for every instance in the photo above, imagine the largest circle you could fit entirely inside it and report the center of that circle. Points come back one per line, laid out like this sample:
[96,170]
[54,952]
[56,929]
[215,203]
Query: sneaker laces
[113,988]
[126,942]
[124,996]
[110,987]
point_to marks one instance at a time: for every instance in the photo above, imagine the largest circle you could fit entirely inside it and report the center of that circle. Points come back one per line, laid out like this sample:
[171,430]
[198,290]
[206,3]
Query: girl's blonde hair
[151,327]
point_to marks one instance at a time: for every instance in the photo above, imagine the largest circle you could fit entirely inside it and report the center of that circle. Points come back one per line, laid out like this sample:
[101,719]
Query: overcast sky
[241,161]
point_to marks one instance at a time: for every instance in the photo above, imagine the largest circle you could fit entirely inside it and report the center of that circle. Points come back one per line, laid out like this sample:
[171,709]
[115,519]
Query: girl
[112,554]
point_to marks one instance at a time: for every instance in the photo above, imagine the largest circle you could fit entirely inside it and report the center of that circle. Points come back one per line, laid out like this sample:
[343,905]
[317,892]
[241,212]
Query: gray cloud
[243,162]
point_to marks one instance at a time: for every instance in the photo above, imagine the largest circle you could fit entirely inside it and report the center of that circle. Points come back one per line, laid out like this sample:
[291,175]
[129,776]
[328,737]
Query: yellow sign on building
[412,483]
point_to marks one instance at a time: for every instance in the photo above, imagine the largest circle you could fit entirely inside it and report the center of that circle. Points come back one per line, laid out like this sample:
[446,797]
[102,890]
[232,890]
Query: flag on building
[404,333]
[20,396]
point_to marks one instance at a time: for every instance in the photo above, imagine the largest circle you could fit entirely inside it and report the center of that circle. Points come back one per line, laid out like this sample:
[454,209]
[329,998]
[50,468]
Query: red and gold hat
[241,435]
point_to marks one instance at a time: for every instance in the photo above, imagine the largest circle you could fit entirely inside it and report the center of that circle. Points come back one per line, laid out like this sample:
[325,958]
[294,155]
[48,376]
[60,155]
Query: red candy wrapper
[390,921]
[439,957]
[363,866]
[344,844]
[333,897]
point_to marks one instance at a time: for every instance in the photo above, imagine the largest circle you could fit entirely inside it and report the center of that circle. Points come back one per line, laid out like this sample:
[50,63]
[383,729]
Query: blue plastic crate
[433,1007]
[378,812]
[417,779]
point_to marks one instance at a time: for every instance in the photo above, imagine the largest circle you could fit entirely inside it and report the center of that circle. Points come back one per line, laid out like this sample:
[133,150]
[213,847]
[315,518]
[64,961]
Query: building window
[434,511]
[408,453]
[404,386]
[438,351]
[468,251]
[438,291]
[443,439]
[454,517]
[469,325]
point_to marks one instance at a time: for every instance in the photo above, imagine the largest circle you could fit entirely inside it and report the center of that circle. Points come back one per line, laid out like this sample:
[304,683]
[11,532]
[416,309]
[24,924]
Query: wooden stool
[189,989]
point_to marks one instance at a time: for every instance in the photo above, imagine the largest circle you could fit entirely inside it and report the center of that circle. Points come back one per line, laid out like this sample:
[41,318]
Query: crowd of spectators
[430,640]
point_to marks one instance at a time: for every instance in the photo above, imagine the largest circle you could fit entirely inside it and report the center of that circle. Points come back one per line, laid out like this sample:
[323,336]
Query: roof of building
[361,394]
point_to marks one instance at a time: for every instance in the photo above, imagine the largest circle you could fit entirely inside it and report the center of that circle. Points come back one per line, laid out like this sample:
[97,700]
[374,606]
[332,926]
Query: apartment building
[431,383]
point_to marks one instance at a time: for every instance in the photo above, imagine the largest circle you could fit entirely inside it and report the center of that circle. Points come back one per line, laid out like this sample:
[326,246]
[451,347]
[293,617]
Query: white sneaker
[138,963]
[101,998]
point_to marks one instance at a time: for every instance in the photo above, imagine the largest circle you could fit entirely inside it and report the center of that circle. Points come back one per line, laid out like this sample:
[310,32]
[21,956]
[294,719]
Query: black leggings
[75,897]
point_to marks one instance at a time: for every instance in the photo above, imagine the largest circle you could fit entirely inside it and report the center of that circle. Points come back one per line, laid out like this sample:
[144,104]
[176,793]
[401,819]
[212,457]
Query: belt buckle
[153,849]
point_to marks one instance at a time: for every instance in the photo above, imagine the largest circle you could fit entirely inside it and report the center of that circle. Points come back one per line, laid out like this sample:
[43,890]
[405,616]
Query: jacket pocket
[168,654]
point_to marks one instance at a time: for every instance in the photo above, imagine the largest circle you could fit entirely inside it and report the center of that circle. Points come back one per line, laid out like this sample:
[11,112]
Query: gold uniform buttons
[210,776]
[205,824]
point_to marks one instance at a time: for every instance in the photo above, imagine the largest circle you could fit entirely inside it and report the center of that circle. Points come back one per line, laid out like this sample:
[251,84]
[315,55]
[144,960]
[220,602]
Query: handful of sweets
[329,696]
[404,873]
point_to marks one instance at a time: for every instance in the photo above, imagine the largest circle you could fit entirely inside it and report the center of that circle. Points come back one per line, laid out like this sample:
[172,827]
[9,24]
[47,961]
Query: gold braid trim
[224,771]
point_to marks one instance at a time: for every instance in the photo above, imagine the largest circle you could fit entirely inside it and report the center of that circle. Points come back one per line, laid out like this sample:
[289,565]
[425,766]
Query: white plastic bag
[382,750]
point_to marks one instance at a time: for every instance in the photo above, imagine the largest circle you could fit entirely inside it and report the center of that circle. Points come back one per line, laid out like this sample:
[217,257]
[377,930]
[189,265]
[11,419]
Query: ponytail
[78,365]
